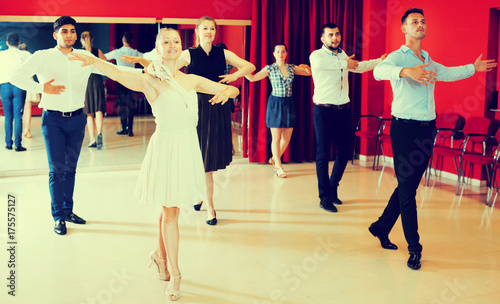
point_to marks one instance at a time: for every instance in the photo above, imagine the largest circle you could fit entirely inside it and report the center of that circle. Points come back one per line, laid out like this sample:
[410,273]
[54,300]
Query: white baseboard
[442,176]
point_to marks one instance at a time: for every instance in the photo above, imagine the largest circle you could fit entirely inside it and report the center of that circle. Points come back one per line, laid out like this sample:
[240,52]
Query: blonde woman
[214,126]
[172,173]
[214,123]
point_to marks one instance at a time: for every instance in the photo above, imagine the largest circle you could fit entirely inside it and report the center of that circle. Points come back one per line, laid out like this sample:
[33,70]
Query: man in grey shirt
[126,100]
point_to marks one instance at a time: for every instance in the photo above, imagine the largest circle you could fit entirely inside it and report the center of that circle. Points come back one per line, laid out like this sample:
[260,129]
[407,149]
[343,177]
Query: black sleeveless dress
[95,97]
[214,121]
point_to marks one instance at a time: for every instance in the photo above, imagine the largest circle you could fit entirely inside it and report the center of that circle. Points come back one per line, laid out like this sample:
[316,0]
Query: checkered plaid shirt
[282,87]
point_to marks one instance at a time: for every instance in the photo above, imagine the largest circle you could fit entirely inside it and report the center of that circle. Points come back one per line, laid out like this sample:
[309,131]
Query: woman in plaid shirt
[280,115]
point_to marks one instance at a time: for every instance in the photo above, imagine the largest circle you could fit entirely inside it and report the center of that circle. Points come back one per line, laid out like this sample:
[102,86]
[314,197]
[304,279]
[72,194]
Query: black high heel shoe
[213,221]
[197,207]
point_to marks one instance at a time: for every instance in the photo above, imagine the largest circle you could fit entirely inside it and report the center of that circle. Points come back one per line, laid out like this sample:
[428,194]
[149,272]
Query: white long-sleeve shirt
[53,64]
[10,60]
[329,72]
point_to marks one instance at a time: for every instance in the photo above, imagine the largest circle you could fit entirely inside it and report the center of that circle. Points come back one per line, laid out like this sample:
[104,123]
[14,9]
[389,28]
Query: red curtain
[298,24]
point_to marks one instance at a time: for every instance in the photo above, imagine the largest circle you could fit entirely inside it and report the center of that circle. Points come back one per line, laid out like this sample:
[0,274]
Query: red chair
[484,158]
[474,125]
[111,97]
[449,128]
[384,135]
[368,128]
[494,184]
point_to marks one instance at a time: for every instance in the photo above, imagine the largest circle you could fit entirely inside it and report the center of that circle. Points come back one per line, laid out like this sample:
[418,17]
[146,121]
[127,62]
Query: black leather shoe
[99,142]
[414,260]
[122,132]
[213,221]
[73,218]
[8,147]
[130,133]
[197,207]
[20,149]
[334,196]
[336,201]
[327,205]
[384,239]
[60,227]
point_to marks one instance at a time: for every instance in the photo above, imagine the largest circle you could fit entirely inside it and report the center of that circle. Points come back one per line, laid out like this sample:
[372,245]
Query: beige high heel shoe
[280,173]
[173,295]
[27,133]
[164,276]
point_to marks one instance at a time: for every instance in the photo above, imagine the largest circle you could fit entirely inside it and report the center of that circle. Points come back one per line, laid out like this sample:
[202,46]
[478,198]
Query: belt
[337,107]
[419,123]
[66,114]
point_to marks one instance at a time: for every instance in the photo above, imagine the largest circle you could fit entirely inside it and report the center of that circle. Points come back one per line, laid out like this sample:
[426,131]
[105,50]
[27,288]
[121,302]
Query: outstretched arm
[319,62]
[464,71]
[244,67]
[302,69]
[184,59]
[101,56]
[257,77]
[368,65]
[136,59]
[484,65]
[131,81]
[221,91]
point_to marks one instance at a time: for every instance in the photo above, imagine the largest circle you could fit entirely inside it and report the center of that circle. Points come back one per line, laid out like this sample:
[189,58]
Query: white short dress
[172,173]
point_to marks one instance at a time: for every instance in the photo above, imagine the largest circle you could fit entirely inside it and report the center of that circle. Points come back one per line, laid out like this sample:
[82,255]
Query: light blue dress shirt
[411,99]
[124,50]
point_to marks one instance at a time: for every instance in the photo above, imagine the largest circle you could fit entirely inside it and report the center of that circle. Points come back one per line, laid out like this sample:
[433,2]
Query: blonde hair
[198,23]
[165,29]
[87,41]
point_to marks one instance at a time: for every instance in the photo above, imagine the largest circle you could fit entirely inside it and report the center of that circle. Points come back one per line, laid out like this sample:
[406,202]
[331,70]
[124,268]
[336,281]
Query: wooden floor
[273,244]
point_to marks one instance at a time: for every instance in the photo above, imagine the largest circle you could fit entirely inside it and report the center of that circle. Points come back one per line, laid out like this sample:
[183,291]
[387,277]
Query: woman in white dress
[172,173]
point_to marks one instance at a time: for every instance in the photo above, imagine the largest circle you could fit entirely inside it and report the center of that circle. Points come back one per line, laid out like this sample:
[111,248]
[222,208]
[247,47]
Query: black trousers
[126,106]
[412,144]
[333,128]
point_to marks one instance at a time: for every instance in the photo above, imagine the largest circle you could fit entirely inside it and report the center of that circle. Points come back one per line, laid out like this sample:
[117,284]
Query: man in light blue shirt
[126,100]
[413,75]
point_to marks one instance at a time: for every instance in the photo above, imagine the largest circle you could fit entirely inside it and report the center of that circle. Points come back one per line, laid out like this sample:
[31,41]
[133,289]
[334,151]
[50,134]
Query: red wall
[218,9]
[374,40]
[457,33]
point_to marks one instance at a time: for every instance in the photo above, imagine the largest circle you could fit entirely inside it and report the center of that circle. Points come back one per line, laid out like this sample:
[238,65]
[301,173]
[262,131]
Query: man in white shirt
[12,97]
[63,84]
[332,110]
[126,100]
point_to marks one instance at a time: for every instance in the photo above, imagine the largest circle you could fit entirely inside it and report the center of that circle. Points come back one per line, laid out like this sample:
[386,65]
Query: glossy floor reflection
[273,244]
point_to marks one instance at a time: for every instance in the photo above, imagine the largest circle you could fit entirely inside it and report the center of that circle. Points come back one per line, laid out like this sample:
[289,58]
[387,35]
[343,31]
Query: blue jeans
[63,140]
[13,106]
[333,129]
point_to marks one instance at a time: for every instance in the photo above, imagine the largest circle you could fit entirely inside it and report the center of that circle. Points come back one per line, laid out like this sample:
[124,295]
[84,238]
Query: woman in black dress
[95,97]
[214,123]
